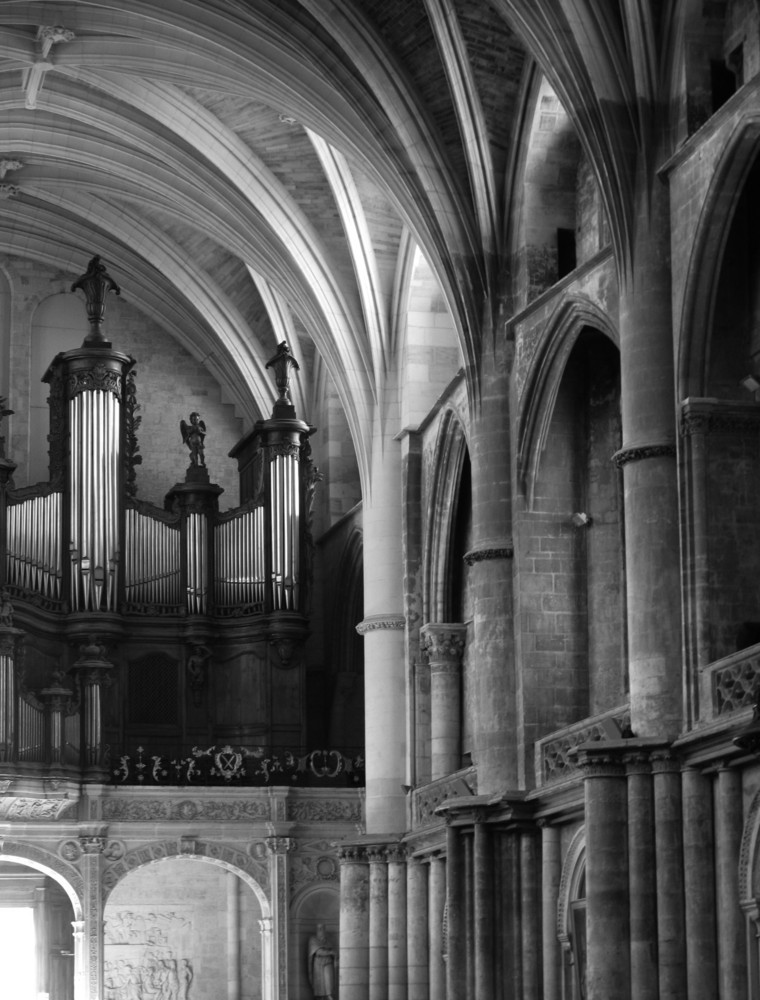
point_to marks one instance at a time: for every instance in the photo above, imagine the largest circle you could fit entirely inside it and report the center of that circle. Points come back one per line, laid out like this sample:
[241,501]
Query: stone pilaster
[353,970]
[608,971]
[444,645]
[732,957]
[378,922]
[417,937]
[279,873]
[268,977]
[91,865]
[699,886]
[397,923]
[642,876]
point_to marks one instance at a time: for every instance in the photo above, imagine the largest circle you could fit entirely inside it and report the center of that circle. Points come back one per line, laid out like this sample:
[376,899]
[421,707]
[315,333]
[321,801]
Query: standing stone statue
[193,434]
[322,961]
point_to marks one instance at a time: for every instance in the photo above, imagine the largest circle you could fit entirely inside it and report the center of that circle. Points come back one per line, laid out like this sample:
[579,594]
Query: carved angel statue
[193,435]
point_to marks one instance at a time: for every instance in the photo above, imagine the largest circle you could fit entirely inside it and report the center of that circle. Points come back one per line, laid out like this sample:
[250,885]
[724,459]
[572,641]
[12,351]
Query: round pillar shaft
[353,970]
[607,903]
[551,862]
[384,652]
[699,886]
[649,473]
[397,926]
[490,581]
[529,916]
[642,872]
[378,924]
[436,904]
[732,958]
[444,644]
[456,945]
[669,850]
[417,941]
[483,883]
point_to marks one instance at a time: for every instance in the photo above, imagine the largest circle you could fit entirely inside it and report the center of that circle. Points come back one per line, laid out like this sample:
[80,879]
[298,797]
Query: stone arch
[53,865]
[253,872]
[539,393]
[449,460]
[706,261]
[573,872]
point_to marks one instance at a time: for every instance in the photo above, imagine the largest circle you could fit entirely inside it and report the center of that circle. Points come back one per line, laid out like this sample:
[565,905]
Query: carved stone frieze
[309,869]
[324,811]
[144,810]
[20,807]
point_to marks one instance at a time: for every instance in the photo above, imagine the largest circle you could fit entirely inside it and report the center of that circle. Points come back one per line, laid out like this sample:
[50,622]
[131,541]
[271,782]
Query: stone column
[417,940]
[233,936]
[647,458]
[491,647]
[92,852]
[436,906]
[699,886]
[378,922]
[671,947]
[608,972]
[483,907]
[642,877]
[353,968]
[732,959]
[551,872]
[279,874]
[456,944]
[397,923]
[385,692]
[444,645]
[529,916]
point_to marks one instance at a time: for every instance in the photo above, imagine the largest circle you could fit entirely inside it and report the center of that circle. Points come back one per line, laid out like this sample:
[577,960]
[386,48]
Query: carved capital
[92,845]
[352,854]
[443,643]
[280,845]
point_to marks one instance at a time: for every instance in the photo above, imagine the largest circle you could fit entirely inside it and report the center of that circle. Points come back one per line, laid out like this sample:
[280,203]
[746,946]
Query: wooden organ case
[133,636]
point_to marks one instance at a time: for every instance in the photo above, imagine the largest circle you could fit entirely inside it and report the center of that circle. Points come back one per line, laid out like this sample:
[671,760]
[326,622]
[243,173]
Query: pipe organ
[96,560]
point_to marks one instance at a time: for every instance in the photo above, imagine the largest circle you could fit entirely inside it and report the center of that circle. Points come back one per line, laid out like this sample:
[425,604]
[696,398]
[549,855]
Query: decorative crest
[95,283]
[282,362]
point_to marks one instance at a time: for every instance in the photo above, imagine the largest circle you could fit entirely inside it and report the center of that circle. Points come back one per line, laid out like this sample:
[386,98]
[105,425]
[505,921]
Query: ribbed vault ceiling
[252,171]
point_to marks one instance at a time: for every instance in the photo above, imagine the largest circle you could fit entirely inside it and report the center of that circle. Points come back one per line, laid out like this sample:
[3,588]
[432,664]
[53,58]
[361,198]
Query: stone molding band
[375,623]
[482,555]
[640,452]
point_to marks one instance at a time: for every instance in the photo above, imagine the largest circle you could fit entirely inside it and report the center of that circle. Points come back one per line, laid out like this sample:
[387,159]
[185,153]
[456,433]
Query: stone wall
[177,930]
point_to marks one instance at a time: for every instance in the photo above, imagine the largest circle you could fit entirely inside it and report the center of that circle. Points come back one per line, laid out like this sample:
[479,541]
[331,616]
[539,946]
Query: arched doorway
[37,944]
[183,928]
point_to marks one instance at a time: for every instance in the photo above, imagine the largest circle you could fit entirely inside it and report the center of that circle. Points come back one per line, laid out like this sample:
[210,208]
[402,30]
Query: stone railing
[427,798]
[554,759]
[729,684]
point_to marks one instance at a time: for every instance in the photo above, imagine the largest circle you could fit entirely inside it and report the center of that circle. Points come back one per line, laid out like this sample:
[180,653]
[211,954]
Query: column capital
[92,845]
[443,642]
[280,845]
[352,854]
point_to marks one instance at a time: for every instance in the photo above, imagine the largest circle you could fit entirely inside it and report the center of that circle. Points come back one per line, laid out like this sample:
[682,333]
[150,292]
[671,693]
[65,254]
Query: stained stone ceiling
[260,170]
